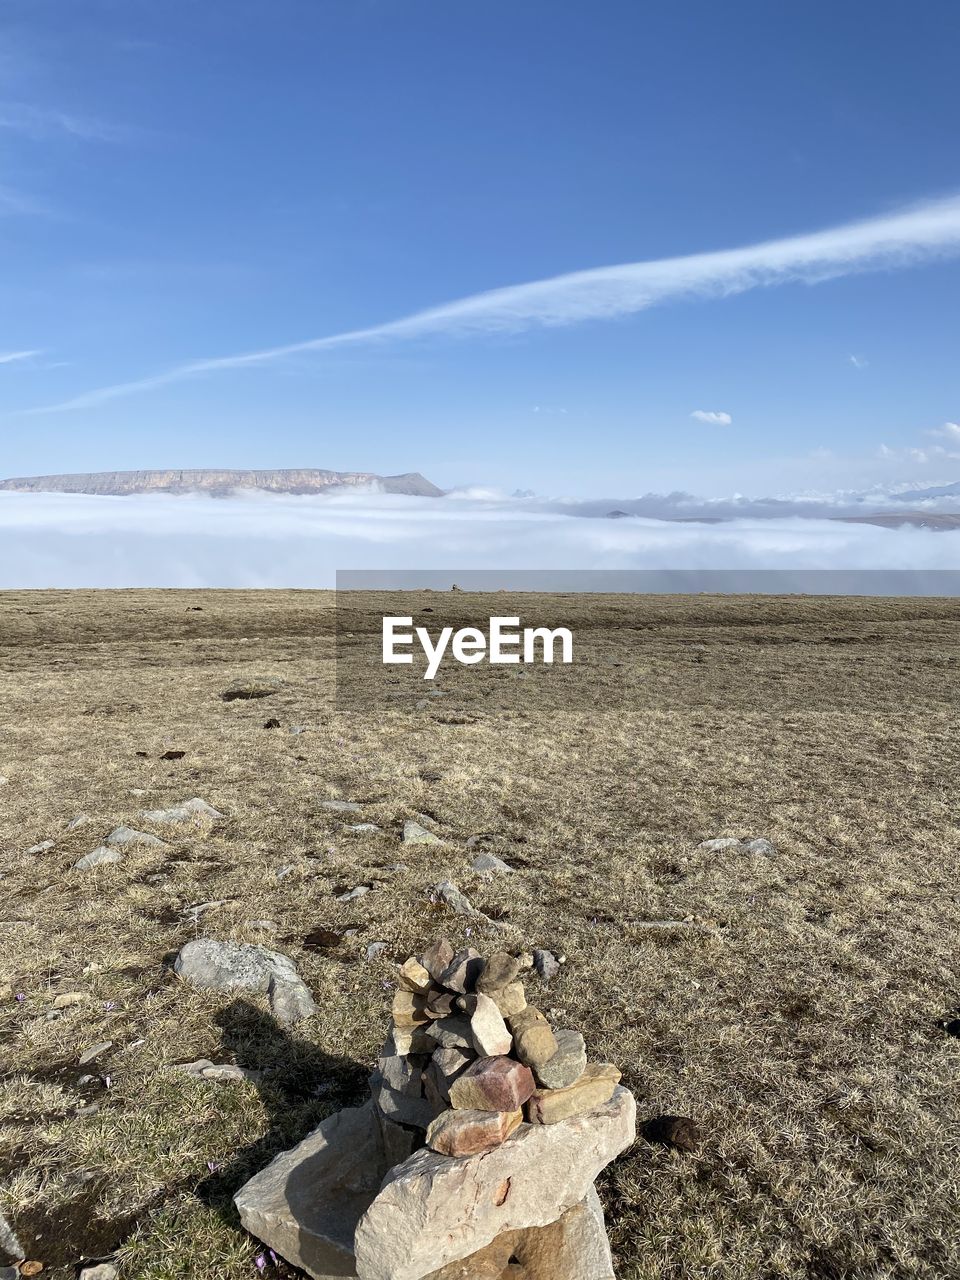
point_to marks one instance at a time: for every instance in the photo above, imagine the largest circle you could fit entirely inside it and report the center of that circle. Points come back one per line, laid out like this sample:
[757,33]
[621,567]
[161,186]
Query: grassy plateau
[792,1003]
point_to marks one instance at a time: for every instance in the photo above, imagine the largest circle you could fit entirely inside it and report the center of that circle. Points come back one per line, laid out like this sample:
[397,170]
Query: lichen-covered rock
[595,1087]
[228,966]
[567,1064]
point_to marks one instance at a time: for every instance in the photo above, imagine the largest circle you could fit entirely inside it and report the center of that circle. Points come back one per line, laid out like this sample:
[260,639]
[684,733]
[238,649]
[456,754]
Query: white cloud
[949,431]
[914,235]
[257,540]
[40,122]
[858,362]
[13,357]
[713,416]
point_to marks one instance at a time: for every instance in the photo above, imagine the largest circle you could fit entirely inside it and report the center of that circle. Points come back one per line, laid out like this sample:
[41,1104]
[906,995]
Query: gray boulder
[230,966]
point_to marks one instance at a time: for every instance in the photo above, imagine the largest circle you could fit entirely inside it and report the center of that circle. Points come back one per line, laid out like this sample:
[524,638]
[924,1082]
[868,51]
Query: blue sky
[183,182]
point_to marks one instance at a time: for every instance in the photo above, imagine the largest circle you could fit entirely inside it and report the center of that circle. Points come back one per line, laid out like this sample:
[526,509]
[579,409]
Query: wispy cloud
[17,202]
[13,357]
[858,362]
[715,417]
[41,122]
[895,240]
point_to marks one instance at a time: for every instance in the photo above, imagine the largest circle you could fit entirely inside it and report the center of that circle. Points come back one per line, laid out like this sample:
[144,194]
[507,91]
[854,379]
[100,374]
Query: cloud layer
[258,540]
[901,239]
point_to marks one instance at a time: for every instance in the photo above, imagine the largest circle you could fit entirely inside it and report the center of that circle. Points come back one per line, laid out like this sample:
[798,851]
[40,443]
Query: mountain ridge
[217,481]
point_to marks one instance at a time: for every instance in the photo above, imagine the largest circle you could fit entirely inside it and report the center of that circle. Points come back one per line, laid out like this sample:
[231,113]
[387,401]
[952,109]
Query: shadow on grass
[301,1084]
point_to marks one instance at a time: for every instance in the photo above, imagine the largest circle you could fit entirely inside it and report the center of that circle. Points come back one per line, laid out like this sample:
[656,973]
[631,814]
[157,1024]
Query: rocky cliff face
[303,480]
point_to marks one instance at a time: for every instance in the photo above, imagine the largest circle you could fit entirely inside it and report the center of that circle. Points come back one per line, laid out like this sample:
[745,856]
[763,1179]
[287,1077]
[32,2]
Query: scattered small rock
[546,964]
[173,755]
[4,781]
[414,833]
[375,949]
[952,1027]
[715,846]
[340,806]
[42,847]
[350,894]
[98,857]
[272,723]
[759,844]
[265,926]
[448,892]
[79,821]
[198,909]
[488,864]
[94,1052]
[673,1131]
[195,808]
[70,998]
[99,1271]
[218,1072]
[363,826]
[128,835]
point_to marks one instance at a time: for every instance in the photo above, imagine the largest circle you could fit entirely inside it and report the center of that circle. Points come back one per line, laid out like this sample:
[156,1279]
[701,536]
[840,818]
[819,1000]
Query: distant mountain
[219,483]
[924,495]
[900,519]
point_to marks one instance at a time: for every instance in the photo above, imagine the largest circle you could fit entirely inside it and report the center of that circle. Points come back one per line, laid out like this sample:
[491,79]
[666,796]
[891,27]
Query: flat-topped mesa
[300,480]
[465,1040]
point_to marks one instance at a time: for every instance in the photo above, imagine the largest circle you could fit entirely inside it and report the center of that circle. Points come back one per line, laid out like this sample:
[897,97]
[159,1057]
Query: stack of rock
[468,1059]
[474,1158]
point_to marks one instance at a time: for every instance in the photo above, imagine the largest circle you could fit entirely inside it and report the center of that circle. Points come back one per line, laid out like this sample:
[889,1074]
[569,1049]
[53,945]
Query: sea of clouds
[261,540]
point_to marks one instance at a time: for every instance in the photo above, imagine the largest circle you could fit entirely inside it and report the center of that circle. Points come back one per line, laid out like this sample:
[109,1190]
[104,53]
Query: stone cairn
[476,1155]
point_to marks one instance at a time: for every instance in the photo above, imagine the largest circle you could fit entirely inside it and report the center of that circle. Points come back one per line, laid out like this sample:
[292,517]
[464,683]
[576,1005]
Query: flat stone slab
[439,1209]
[575,1247]
[306,1204]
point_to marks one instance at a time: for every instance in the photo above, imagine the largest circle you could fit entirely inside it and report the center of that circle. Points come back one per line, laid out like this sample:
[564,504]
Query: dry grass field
[796,1014]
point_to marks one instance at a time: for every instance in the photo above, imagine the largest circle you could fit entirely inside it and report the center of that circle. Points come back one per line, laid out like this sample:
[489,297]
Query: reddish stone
[493,1084]
[469,1133]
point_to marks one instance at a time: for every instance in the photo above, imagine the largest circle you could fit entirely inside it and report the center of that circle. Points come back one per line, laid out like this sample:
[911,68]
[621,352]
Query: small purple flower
[214,1166]
[469,931]
[260,1262]
[20,997]
[108,1005]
